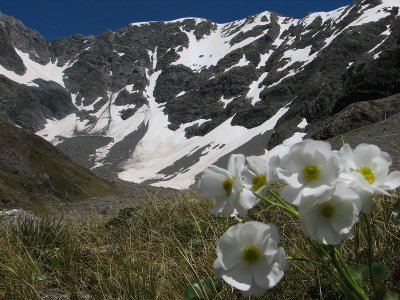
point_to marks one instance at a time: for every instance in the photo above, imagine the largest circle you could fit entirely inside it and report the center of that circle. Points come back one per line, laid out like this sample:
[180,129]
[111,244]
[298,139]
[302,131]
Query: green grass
[153,251]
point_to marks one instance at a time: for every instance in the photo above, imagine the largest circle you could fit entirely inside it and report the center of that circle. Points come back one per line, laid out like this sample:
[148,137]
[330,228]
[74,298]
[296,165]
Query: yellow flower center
[311,172]
[328,210]
[367,173]
[258,182]
[251,254]
[227,185]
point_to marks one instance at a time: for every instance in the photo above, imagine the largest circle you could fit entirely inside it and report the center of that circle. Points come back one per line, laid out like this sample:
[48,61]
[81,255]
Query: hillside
[33,173]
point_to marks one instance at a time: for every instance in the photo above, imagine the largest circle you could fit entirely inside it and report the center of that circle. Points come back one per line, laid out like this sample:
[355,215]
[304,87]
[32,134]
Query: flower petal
[275,275]
[254,290]
[392,181]
[288,177]
[364,153]
[257,164]
[240,277]
[327,235]
[346,216]
[236,164]
[210,184]
[260,273]
[362,183]
[291,194]
[347,158]
[247,200]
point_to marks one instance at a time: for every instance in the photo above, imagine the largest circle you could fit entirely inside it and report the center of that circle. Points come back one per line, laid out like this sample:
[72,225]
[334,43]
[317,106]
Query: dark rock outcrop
[31,106]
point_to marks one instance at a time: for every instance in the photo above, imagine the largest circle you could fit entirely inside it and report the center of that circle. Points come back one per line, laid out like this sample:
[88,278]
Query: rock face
[357,115]
[30,106]
[150,94]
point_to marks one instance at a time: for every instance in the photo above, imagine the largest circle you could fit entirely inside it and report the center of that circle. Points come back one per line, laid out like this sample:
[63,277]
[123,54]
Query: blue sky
[60,18]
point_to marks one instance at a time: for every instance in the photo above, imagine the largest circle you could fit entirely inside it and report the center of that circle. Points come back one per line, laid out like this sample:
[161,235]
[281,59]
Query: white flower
[309,168]
[248,257]
[329,217]
[258,175]
[227,187]
[366,171]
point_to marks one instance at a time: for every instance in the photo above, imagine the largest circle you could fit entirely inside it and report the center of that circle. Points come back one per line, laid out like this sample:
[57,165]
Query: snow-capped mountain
[158,102]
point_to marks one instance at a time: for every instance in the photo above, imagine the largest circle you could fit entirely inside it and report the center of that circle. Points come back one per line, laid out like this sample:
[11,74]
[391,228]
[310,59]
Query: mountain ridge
[160,101]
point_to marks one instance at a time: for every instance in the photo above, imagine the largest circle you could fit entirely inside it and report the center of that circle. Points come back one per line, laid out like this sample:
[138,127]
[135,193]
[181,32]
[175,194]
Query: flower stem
[294,258]
[288,209]
[284,203]
[347,280]
[349,285]
[370,252]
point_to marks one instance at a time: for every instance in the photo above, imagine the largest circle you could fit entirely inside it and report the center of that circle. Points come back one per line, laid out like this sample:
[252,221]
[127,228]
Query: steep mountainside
[158,102]
[33,172]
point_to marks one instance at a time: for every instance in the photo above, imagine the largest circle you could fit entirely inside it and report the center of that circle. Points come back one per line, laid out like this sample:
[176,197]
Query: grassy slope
[155,250]
[32,172]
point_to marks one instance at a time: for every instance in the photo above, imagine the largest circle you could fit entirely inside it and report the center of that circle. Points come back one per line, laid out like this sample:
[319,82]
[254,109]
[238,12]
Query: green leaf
[357,275]
[385,294]
[389,295]
[43,276]
[193,291]
[379,272]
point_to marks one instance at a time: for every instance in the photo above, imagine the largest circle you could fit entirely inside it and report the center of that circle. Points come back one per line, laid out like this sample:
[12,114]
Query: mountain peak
[157,102]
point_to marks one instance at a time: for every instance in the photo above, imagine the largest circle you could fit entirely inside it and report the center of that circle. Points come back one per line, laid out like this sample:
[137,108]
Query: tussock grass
[153,251]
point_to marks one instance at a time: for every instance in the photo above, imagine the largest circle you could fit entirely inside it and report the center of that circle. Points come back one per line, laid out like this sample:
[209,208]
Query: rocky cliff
[160,101]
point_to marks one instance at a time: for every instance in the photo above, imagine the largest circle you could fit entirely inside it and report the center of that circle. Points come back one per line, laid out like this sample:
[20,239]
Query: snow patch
[130,89]
[34,70]
[225,102]
[296,55]
[208,50]
[241,63]
[196,122]
[386,33]
[376,13]
[55,130]
[335,16]
[255,89]
[154,155]
[153,57]
[264,58]
[303,124]
[285,24]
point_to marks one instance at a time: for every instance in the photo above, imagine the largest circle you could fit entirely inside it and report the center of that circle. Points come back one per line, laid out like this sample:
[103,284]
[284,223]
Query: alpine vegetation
[327,191]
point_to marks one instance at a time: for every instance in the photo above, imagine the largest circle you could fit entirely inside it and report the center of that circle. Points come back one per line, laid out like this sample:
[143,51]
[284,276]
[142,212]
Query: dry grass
[154,251]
